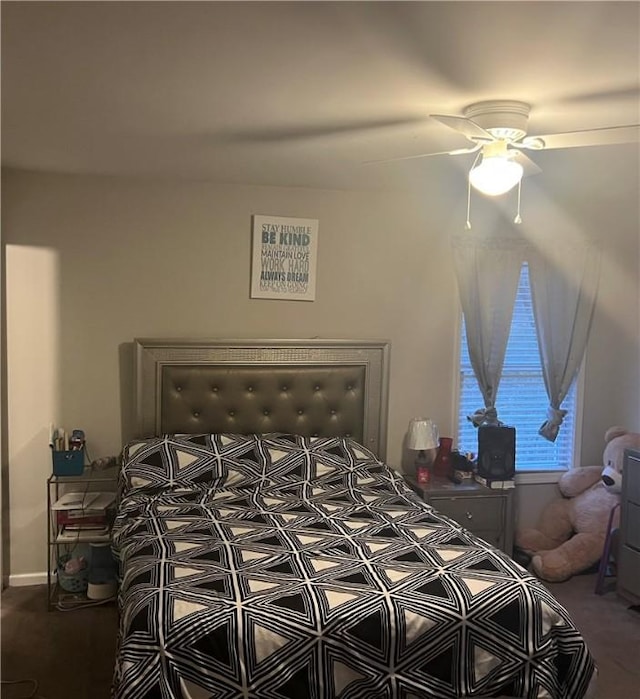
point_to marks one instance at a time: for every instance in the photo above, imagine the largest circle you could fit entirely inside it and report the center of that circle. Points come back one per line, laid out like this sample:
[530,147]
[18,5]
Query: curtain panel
[487,271]
[564,284]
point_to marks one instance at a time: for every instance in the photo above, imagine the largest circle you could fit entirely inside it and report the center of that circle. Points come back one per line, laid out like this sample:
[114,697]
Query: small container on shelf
[67,453]
[68,463]
[73,574]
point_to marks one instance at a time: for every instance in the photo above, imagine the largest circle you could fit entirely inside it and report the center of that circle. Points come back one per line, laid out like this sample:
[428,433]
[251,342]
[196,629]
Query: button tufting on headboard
[321,387]
[263,398]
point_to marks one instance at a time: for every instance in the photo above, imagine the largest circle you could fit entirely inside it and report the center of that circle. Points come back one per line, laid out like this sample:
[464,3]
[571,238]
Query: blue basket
[68,463]
[72,582]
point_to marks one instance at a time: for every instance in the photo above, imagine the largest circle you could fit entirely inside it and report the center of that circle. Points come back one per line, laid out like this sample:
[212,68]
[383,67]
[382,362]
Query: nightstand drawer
[631,525]
[476,514]
[629,570]
[484,512]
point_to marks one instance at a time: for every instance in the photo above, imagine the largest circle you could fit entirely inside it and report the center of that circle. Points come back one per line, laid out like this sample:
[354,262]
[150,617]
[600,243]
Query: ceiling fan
[497,130]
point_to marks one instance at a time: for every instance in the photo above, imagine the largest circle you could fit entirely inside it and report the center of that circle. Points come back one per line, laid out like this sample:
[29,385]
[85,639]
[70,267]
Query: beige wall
[114,259]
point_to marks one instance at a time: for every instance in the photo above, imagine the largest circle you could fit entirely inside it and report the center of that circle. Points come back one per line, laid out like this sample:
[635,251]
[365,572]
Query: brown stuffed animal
[572,531]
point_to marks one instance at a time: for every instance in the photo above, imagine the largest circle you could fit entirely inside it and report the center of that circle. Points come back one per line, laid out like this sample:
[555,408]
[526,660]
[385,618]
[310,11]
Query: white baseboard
[26,579]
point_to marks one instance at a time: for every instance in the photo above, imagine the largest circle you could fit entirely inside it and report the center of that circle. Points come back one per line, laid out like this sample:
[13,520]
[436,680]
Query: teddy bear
[572,531]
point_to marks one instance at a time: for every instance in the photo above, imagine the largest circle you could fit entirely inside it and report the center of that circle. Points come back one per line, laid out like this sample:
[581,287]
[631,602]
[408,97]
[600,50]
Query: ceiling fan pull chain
[518,218]
[467,225]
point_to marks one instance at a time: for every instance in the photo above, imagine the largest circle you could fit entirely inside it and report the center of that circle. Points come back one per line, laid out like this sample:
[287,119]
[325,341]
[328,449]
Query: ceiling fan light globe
[495,176]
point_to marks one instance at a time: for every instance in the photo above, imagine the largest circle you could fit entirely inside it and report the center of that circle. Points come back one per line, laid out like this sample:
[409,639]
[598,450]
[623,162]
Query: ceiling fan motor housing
[503,119]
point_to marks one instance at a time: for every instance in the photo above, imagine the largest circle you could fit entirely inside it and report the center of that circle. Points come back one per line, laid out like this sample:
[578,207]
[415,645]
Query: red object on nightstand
[442,464]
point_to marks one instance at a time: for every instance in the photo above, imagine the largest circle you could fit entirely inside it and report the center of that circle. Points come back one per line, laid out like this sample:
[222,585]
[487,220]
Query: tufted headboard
[309,387]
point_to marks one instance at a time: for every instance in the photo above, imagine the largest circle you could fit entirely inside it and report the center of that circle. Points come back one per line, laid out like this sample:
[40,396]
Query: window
[521,399]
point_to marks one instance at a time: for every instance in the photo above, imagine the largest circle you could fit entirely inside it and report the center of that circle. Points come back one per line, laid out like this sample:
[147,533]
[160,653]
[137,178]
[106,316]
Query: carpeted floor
[612,631]
[70,654]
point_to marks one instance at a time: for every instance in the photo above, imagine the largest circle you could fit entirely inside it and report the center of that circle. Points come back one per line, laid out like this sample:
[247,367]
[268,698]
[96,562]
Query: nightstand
[485,512]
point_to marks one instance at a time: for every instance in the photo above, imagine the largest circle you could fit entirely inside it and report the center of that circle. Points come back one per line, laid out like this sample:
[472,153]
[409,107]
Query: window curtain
[487,271]
[564,283]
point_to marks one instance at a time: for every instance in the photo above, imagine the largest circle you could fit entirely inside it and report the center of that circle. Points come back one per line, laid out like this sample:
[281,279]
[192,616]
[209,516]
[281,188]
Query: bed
[267,551]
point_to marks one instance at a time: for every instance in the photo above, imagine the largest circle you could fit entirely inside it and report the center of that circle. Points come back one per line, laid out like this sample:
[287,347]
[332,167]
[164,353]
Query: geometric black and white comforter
[284,567]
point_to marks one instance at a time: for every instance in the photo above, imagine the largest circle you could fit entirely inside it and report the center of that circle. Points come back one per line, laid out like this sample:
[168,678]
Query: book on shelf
[80,518]
[495,484]
[85,527]
[71,535]
[87,503]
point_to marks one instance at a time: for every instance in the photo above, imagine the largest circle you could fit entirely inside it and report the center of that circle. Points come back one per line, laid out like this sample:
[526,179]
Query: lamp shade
[423,434]
[495,175]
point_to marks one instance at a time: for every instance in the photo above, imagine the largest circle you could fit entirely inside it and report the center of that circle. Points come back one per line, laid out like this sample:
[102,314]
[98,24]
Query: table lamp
[422,436]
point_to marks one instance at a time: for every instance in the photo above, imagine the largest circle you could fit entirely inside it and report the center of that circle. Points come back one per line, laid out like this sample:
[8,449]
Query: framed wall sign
[283,264]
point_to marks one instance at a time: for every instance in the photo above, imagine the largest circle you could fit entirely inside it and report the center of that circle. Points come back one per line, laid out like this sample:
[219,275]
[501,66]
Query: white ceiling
[302,93]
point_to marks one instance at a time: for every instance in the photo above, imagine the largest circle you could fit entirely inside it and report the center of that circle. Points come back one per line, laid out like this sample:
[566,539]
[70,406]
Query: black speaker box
[496,452]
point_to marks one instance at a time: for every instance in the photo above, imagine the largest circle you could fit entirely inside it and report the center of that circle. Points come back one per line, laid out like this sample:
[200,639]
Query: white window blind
[521,400]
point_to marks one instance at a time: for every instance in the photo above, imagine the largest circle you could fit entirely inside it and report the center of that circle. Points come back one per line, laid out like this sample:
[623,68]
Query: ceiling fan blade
[607,136]
[292,133]
[458,151]
[464,126]
[618,93]
[529,167]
